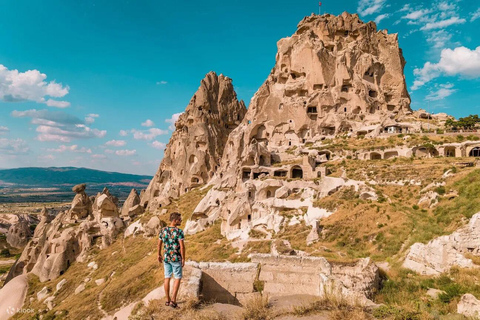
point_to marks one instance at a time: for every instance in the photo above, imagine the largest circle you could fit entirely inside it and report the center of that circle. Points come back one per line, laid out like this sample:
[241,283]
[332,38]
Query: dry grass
[209,245]
[337,308]
[475,259]
[404,293]
[296,235]
[384,229]
[257,308]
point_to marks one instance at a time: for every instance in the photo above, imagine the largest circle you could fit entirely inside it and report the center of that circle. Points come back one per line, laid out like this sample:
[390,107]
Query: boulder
[133,201]
[469,306]
[79,188]
[61,284]
[152,228]
[282,192]
[442,253]
[42,294]
[80,288]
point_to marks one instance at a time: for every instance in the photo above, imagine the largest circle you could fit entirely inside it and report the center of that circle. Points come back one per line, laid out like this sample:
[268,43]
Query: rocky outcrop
[19,233]
[193,154]
[12,297]
[131,207]
[81,204]
[57,243]
[335,76]
[442,253]
[469,306]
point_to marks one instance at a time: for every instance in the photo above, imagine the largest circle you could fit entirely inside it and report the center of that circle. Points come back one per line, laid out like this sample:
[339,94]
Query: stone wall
[277,275]
[288,275]
[226,282]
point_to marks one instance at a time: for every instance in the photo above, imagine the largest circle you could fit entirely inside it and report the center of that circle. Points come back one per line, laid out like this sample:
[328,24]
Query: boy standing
[174,256]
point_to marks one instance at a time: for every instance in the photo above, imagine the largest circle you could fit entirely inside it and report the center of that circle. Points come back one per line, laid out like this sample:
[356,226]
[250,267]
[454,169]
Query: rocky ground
[127,270]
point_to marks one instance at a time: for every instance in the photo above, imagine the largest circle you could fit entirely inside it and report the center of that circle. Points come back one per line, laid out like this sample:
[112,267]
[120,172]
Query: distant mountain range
[55,183]
[61,176]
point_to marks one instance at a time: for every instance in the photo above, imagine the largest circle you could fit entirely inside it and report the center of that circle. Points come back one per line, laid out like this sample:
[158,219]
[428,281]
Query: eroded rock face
[57,243]
[335,75]
[193,154]
[81,204]
[442,253]
[131,206]
[19,233]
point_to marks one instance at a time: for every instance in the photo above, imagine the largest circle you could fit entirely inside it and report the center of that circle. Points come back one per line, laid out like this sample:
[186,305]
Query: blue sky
[97,83]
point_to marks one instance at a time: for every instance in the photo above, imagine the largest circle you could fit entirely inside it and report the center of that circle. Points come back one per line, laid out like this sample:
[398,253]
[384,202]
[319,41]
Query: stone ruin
[274,276]
[59,241]
[279,275]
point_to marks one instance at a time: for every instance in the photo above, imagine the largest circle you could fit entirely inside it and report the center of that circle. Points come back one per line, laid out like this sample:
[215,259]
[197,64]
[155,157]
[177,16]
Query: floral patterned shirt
[171,237]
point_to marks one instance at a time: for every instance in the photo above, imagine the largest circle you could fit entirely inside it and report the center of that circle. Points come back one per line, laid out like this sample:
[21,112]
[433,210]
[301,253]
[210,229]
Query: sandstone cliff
[336,75]
[193,154]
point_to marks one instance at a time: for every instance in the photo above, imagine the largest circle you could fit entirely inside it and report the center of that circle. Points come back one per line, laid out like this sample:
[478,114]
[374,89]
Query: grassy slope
[383,230]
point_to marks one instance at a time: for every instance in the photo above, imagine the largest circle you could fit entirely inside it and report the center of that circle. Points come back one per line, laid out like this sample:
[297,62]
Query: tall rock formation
[193,154]
[335,76]
[59,242]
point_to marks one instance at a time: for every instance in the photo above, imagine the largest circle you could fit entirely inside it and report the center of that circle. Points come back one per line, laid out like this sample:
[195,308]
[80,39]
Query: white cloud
[158,145]
[109,151]
[172,120]
[446,6]
[51,133]
[475,15]
[90,118]
[367,7]
[125,152]
[442,92]
[13,146]
[405,7]
[123,133]
[149,134]
[381,17]
[439,39]
[4,130]
[442,23]
[59,126]
[417,14]
[162,82]
[72,148]
[148,123]
[116,143]
[57,104]
[459,61]
[30,85]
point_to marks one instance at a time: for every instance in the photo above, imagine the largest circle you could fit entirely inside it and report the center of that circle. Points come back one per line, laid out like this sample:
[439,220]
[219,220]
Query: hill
[55,183]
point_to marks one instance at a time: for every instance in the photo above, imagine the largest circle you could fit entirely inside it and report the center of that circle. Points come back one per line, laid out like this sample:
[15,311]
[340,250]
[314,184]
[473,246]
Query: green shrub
[451,291]
[392,312]
[5,253]
[440,190]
